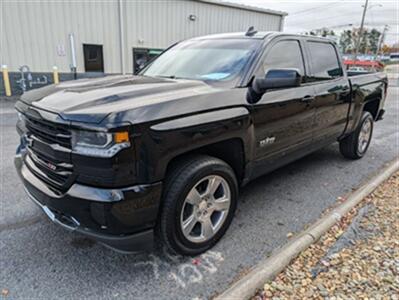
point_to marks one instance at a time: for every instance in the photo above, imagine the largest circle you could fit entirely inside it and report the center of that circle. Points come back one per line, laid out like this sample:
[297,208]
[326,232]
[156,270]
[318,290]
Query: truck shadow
[311,163]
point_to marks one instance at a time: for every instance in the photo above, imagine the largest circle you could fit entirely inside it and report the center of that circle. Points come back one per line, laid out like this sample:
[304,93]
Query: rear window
[325,63]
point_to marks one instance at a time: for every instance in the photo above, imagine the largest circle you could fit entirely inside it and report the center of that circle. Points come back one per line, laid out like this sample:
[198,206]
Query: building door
[142,56]
[93,56]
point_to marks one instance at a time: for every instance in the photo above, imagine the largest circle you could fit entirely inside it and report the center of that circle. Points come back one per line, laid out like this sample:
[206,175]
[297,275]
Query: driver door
[283,118]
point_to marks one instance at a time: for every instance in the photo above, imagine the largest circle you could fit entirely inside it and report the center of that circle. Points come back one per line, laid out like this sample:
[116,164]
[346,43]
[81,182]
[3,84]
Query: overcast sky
[305,15]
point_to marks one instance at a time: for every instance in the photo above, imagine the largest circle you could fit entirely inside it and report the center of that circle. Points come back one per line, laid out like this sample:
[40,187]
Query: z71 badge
[267,141]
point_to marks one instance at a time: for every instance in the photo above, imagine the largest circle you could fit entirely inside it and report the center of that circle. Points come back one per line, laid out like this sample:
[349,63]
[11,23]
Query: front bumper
[122,219]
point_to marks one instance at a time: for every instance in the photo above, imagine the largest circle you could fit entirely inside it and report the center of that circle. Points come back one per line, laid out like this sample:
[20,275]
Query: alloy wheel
[205,209]
[364,136]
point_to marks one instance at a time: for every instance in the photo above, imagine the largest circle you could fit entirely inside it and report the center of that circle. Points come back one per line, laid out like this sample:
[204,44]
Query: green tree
[346,41]
[374,37]
[368,42]
[364,41]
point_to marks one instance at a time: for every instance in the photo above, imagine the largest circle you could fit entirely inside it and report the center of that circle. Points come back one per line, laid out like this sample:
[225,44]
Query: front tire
[355,145]
[198,204]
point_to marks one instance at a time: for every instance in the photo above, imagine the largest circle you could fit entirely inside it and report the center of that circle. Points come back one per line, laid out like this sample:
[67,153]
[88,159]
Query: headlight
[101,144]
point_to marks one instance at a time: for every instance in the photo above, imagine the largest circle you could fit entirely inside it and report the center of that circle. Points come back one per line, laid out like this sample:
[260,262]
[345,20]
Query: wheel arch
[373,107]
[231,151]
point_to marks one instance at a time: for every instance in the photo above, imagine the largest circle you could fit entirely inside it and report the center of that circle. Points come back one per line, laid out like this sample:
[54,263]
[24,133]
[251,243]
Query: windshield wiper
[175,77]
[169,76]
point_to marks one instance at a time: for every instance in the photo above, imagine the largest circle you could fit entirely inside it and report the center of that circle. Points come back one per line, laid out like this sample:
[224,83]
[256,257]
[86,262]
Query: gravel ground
[356,259]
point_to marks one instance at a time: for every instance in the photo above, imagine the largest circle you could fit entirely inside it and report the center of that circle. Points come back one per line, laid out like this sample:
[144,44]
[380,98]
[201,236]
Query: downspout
[73,55]
[121,35]
[281,23]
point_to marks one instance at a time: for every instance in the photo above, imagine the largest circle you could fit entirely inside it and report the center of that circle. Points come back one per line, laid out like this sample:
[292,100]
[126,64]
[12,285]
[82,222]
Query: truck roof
[235,35]
[258,36]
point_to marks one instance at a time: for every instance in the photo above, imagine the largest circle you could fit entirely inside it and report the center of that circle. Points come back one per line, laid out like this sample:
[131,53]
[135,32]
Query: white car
[357,69]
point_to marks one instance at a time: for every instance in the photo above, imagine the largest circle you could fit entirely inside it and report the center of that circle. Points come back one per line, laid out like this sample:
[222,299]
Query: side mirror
[276,79]
[139,67]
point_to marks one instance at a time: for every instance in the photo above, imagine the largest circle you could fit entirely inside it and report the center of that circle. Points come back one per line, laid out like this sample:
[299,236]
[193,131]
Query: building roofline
[245,7]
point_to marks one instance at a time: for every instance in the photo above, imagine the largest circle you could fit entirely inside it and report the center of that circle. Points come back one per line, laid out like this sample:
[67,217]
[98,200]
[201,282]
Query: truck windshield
[208,60]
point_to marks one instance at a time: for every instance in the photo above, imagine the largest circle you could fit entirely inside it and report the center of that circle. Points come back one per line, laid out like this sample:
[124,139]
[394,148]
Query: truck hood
[92,100]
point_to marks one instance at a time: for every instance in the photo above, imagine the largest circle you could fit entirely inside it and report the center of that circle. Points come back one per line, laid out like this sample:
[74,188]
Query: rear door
[332,90]
[283,118]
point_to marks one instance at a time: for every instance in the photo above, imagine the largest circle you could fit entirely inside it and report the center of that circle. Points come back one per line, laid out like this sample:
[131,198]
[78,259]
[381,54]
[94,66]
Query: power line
[314,8]
[323,19]
[380,24]
[336,17]
[302,22]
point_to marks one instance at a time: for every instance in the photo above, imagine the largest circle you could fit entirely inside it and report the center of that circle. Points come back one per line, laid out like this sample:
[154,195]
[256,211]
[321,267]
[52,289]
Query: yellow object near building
[55,75]
[6,79]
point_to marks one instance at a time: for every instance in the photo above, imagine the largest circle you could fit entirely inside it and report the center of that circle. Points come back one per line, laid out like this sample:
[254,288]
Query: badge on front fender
[267,141]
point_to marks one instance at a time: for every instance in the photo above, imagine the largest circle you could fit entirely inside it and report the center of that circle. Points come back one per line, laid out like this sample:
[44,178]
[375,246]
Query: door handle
[307,99]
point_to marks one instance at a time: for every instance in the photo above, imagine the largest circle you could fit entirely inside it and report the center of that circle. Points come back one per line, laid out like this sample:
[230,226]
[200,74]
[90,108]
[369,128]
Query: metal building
[112,36]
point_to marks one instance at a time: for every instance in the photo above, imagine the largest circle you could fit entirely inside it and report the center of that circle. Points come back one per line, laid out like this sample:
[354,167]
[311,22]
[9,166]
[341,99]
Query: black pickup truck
[123,158]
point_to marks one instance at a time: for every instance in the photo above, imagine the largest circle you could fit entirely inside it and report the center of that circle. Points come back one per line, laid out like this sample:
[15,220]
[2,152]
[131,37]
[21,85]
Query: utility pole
[381,41]
[360,31]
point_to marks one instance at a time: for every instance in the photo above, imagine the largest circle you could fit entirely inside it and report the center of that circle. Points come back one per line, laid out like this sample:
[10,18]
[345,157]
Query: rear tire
[199,201]
[355,145]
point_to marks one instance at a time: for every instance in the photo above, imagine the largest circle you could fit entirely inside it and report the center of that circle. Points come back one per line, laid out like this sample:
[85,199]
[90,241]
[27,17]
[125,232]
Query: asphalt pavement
[39,260]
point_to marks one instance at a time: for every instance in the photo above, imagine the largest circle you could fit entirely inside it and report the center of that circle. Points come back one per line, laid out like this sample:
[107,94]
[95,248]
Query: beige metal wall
[35,33]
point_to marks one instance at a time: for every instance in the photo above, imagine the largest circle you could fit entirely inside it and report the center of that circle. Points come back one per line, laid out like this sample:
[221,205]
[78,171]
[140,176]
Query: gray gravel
[39,260]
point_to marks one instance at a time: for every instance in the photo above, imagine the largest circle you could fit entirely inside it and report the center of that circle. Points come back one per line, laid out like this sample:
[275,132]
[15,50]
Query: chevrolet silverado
[124,158]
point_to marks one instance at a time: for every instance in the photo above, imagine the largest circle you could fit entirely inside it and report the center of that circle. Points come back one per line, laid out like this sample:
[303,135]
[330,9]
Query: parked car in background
[357,69]
[123,158]
[394,57]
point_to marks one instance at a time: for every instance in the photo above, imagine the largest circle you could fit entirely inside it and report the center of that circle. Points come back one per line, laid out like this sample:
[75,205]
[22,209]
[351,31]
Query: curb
[269,268]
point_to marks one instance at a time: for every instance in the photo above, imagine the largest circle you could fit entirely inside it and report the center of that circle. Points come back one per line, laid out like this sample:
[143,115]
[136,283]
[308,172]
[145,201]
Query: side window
[325,64]
[285,54]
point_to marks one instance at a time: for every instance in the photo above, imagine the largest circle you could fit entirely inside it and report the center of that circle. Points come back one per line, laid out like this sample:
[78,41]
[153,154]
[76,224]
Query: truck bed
[367,78]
